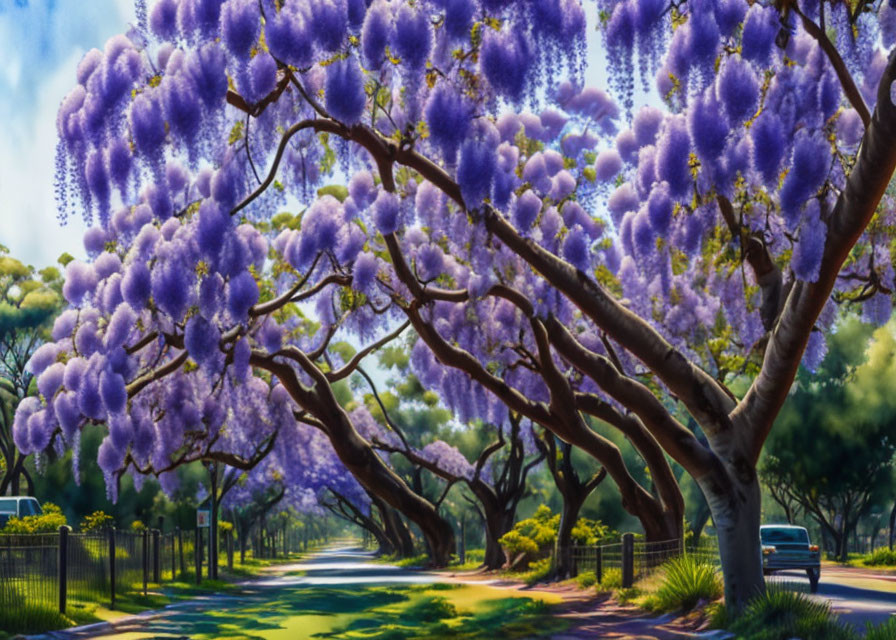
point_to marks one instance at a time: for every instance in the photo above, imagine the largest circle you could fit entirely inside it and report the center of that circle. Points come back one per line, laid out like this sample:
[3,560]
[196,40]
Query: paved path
[340,589]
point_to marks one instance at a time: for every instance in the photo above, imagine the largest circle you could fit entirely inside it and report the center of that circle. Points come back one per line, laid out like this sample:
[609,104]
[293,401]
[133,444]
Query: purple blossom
[448,116]
[242,293]
[738,89]
[412,37]
[386,210]
[607,165]
[673,149]
[476,170]
[240,22]
[345,91]
[376,34]
[505,59]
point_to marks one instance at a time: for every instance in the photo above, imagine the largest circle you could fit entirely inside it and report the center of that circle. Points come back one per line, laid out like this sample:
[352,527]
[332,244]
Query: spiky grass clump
[780,614]
[885,631]
[686,582]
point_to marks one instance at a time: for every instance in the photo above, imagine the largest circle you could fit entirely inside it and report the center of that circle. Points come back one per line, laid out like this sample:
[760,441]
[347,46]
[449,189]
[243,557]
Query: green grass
[686,581]
[24,617]
[404,612]
[885,631]
[30,615]
[884,557]
[538,571]
[781,614]
[586,579]
[611,580]
[474,560]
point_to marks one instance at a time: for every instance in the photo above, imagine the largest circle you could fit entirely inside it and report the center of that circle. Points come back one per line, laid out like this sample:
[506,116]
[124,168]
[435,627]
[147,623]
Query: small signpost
[203,518]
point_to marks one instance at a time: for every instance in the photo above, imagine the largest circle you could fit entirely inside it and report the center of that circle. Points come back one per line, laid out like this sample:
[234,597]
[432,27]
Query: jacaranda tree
[573,258]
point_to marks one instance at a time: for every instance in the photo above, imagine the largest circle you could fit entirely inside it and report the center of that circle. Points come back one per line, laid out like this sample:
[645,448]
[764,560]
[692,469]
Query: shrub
[48,522]
[538,571]
[515,543]
[780,615]
[611,580]
[96,521]
[882,557]
[137,526]
[588,532]
[586,579]
[534,537]
[687,581]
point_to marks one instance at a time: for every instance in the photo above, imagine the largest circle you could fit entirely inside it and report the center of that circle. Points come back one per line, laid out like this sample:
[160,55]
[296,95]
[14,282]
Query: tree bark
[892,525]
[395,530]
[569,515]
[359,457]
[736,512]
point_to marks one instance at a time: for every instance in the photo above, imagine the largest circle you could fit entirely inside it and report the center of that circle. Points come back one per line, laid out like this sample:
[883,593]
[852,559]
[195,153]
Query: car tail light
[813,547]
[766,551]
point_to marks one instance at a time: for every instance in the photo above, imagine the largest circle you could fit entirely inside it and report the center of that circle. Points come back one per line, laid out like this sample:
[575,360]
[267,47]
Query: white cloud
[41,48]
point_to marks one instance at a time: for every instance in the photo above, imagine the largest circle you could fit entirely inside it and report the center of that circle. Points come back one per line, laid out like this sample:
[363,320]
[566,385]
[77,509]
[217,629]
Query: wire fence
[633,559]
[48,570]
[29,569]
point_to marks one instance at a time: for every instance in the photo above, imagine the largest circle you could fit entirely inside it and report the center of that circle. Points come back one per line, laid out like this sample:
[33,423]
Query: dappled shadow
[342,594]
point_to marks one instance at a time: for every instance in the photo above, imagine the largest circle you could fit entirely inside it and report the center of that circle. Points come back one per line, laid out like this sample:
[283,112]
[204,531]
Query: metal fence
[46,570]
[634,559]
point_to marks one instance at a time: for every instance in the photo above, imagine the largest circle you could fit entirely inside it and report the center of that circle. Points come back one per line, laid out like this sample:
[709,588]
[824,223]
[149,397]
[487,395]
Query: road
[857,595]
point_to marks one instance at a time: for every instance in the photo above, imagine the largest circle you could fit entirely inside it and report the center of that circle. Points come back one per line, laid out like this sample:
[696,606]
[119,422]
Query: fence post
[145,559]
[173,557]
[599,564]
[198,554]
[156,556]
[111,567]
[63,566]
[574,560]
[628,560]
[180,544]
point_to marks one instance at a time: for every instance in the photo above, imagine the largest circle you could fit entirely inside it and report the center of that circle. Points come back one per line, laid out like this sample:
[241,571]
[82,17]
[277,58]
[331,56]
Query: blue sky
[41,43]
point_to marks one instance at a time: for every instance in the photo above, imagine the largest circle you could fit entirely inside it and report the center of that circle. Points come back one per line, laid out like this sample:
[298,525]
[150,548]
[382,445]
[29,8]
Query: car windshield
[772,536]
[7,505]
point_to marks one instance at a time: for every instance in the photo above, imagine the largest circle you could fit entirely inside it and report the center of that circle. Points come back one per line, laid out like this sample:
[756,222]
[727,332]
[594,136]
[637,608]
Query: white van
[19,507]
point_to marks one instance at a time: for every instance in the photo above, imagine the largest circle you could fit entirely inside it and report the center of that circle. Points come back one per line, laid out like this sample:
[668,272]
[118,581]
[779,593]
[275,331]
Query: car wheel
[814,576]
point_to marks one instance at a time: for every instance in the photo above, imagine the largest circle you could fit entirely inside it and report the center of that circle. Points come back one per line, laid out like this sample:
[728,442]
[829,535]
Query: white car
[19,507]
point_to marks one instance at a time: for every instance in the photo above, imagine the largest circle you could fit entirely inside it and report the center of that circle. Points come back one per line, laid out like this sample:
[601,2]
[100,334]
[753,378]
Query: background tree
[29,302]
[842,466]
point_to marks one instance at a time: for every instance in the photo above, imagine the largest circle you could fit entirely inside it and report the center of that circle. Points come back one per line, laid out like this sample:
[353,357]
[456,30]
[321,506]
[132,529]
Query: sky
[41,43]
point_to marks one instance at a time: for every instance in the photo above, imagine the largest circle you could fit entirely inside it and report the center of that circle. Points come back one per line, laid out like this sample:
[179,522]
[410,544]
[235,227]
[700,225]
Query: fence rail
[633,559]
[48,570]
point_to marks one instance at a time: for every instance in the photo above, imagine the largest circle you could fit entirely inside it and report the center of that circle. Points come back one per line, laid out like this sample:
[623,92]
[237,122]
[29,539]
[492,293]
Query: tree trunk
[363,462]
[496,525]
[569,515]
[892,525]
[498,519]
[395,530]
[735,504]
[213,526]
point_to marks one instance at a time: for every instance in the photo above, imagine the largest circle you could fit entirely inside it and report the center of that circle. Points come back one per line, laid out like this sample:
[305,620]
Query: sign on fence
[203,518]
